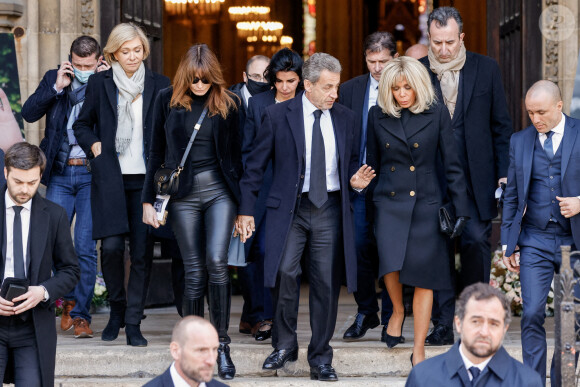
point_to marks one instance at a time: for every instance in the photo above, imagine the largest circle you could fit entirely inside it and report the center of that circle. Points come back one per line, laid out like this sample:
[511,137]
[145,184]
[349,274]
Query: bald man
[194,345]
[417,51]
[541,206]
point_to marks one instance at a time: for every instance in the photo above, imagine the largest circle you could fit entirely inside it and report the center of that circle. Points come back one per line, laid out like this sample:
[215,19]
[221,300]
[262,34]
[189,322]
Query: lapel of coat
[2,231]
[394,126]
[527,157]
[339,134]
[295,117]
[567,144]
[359,95]
[148,92]
[499,365]
[39,224]
[418,122]
[454,364]
[111,90]
[469,75]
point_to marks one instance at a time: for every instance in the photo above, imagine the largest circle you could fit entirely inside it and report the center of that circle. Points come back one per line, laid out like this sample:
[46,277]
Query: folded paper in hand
[160,206]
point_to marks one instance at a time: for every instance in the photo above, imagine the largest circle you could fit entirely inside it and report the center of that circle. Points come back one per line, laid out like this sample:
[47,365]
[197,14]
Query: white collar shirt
[25,218]
[178,381]
[373,92]
[469,364]
[557,136]
[332,180]
[246,94]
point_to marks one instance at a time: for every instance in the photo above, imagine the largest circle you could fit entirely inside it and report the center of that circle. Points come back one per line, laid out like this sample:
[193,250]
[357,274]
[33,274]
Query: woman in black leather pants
[202,212]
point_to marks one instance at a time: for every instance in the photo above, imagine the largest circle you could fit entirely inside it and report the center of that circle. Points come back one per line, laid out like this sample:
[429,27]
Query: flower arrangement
[509,284]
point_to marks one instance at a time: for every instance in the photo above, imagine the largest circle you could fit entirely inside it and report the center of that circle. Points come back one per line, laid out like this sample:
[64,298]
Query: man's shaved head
[544,105]
[188,324]
[547,88]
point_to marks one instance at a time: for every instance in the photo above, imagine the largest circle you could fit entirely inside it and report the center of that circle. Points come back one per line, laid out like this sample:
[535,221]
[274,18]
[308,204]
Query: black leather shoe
[394,340]
[134,336]
[362,323]
[279,357]
[440,335]
[262,335]
[324,373]
[226,367]
[384,335]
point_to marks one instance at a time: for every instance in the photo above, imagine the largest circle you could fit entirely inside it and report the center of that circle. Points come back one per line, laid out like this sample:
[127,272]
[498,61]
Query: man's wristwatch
[46,296]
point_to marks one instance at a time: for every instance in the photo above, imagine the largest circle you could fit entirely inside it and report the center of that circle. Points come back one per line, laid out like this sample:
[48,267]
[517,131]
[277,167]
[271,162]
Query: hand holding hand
[459,226]
[150,215]
[62,75]
[569,206]
[244,227]
[31,298]
[362,178]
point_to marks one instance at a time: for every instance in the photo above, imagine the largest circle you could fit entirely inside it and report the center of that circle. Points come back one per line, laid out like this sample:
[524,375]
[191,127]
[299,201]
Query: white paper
[160,206]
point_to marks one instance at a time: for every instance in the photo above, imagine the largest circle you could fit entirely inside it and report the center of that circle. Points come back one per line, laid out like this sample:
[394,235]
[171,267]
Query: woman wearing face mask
[284,75]
[202,211]
[114,129]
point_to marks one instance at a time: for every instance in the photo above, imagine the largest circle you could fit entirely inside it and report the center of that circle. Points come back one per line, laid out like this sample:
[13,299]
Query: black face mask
[257,87]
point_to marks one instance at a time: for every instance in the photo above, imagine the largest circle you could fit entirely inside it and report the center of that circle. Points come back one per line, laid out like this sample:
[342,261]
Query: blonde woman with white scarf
[114,129]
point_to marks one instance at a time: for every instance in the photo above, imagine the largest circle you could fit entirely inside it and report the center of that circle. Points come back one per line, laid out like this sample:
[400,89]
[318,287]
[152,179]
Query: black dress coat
[487,127]
[170,138]
[280,139]
[51,251]
[97,121]
[407,193]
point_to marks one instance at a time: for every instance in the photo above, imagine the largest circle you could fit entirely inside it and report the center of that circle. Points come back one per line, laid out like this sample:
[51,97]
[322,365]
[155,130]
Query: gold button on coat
[415,145]
[392,194]
[392,169]
[387,145]
[412,168]
[412,193]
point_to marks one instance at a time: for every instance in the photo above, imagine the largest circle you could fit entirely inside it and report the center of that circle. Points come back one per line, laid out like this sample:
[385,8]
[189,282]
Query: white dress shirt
[132,161]
[469,364]
[178,381]
[373,92]
[332,181]
[25,218]
[557,136]
[246,94]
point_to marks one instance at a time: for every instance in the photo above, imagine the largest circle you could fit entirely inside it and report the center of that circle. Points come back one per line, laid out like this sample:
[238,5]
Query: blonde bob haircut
[121,34]
[417,77]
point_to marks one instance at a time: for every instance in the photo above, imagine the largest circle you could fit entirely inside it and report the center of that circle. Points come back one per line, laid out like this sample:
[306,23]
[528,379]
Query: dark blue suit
[482,127]
[531,220]
[164,380]
[281,140]
[354,94]
[448,370]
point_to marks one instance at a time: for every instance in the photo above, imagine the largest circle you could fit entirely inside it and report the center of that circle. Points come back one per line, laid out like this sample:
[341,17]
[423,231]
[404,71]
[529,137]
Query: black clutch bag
[447,218]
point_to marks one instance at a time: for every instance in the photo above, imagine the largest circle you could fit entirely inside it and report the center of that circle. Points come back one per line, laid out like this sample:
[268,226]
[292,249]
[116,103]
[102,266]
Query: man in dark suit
[541,206]
[470,86]
[478,359]
[313,145]
[36,242]
[360,94]
[194,346]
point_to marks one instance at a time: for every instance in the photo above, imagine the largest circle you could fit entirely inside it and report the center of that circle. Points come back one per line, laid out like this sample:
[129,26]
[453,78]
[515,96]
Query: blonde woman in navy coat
[409,145]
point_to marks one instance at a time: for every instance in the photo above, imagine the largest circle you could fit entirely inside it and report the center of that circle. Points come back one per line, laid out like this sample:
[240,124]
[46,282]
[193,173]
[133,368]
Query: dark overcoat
[519,177]
[53,264]
[97,121]
[169,141]
[407,194]
[487,127]
[280,139]
[448,370]
[164,380]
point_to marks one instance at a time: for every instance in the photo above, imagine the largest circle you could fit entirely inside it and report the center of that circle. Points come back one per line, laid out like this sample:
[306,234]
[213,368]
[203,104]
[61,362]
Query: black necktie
[548,146]
[475,373]
[318,193]
[17,244]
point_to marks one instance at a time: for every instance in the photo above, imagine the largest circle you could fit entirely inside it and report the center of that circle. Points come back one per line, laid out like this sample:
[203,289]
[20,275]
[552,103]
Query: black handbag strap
[195,130]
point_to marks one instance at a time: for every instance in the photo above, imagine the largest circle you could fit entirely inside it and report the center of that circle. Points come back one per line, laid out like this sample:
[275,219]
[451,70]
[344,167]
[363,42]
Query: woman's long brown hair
[200,61]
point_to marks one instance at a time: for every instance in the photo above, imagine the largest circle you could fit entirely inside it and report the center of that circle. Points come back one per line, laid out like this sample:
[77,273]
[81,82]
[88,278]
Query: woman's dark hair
[284,60]
[200,61]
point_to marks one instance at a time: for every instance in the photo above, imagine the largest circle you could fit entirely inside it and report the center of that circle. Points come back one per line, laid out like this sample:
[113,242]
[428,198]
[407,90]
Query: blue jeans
[72,190]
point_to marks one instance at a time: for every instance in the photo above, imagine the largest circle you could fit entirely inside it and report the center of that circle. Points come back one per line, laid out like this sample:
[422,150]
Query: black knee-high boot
[219,311]
[192,307]
[116,322]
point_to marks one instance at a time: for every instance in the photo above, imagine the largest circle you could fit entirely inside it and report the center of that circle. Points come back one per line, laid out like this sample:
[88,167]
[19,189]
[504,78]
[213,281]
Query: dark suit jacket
[98,122]
[353,94]
[170,138]
[519,176]
[488,127]
[237,90]
[448,370]
[164,380]
[50,247]
[281,139]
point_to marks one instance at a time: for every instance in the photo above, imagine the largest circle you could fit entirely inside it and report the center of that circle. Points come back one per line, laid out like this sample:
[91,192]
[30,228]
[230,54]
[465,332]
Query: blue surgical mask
[82,76]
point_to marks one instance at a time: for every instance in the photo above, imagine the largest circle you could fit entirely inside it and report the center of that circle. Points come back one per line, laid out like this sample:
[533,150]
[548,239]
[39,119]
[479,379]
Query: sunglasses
[203,80]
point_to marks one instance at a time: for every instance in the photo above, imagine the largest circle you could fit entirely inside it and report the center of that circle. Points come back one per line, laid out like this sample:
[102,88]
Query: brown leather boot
[82,328]
[66,321]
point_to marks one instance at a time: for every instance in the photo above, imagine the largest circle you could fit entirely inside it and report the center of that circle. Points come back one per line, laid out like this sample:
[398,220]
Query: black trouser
[321,229]
[202,223]
[18,337]
[113,252]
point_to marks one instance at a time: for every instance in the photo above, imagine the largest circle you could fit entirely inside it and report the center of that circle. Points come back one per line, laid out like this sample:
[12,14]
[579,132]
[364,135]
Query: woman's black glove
[459,226]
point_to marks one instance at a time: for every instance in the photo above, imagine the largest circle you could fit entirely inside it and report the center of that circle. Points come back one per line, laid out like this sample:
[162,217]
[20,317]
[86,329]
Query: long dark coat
[51,248]
[281,139]
[407,194]
[97,121]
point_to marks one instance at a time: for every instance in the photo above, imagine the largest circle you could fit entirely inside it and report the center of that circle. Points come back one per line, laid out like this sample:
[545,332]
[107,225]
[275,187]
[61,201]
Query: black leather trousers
[202,223]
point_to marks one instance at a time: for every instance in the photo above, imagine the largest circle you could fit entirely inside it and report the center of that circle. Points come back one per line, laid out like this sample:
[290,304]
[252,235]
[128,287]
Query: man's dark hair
[25,156]
[442,14]
[480,291]
[283,60]
[85,46]
[380,40]
[255,58]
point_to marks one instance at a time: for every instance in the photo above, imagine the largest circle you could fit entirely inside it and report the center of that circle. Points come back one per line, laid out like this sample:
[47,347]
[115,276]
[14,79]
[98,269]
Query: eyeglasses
[203,80]
[256,77]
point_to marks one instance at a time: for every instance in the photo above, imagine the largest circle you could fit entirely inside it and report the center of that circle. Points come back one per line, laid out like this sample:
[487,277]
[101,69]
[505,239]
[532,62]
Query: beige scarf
[448,75]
